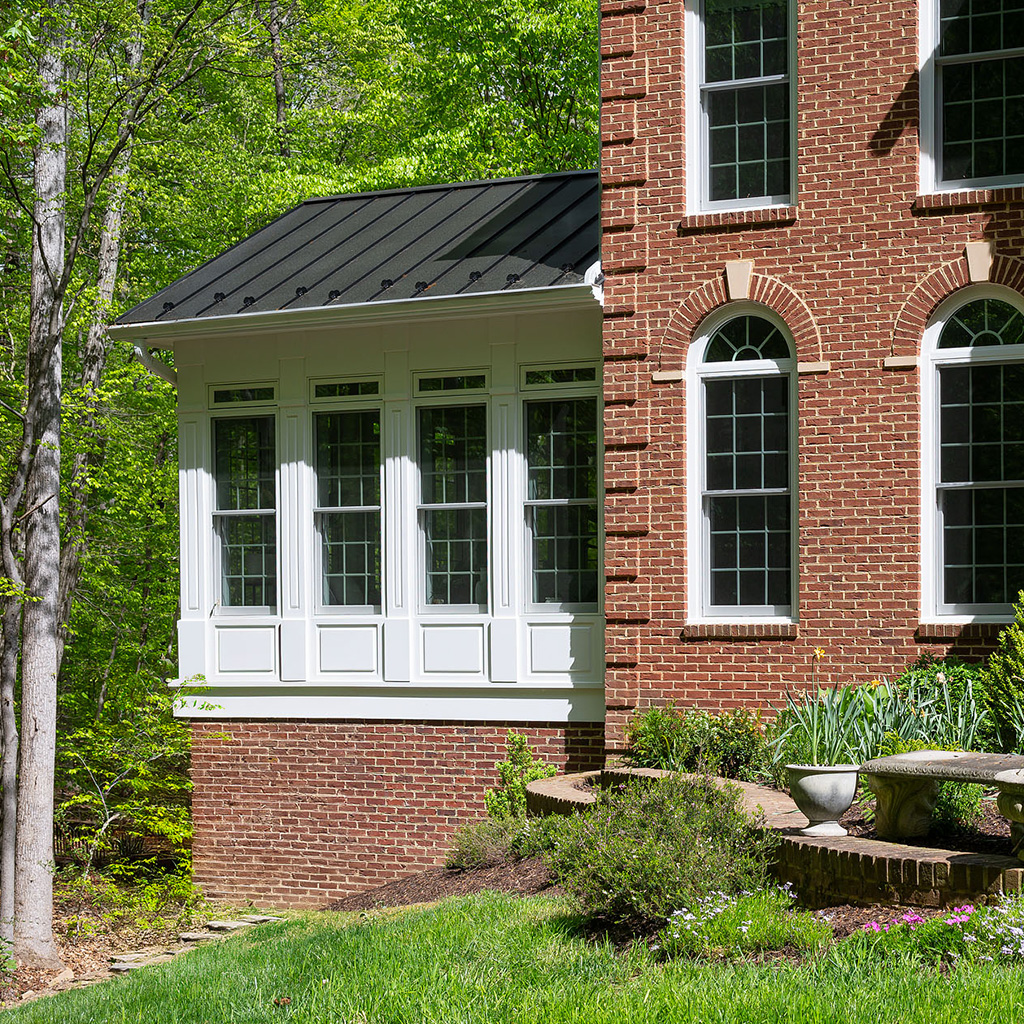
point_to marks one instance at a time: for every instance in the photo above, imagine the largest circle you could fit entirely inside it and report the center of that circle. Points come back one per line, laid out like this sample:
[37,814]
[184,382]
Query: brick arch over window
[765,290]
[939,285]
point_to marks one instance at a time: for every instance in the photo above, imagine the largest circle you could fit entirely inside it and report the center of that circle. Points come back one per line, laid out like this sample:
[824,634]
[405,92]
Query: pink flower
[872,926]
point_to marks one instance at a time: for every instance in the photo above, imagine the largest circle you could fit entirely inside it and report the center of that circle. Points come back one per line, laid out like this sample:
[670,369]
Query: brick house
[813,350]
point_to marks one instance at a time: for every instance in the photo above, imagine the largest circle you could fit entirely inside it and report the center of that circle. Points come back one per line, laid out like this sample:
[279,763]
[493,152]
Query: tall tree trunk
[273,24]
[9,763]
[33,890]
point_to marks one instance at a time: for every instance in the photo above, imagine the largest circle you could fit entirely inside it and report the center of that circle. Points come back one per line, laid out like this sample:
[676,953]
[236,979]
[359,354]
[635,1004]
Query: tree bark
[33,889]
[9,763]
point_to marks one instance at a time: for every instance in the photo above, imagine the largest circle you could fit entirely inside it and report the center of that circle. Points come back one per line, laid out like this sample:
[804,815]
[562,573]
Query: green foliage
[648,849]
[719,926]
[687,739]
[508,798]
[1003,679]
[822,723]
[493,841]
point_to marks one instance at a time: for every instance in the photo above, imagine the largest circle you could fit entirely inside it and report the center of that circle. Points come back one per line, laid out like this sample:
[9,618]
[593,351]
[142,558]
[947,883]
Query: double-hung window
[561,501]
[745,102]
[453,455]
[244,517]
[978,456]
[744,472]
[979,92]
[348,506]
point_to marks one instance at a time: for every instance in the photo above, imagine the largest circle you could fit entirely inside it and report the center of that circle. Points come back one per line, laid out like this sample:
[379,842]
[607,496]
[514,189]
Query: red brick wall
[855,267]
[302,812]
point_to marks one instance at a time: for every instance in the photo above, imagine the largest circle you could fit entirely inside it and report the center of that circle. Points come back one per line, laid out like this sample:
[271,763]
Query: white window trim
[930,131]
[699,609]
[932,608]
[697,128]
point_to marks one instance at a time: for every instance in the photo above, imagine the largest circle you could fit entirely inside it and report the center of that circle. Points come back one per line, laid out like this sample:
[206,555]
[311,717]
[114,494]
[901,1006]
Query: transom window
[979,487]
[745,101]
[979,77]
[745,547]
[245,520]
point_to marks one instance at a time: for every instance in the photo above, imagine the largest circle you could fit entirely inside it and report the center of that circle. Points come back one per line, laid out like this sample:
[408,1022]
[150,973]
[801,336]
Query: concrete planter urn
[824,793]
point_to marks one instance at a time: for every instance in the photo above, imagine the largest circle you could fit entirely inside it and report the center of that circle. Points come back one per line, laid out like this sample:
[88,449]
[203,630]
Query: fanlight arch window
[977,383]
[743,391]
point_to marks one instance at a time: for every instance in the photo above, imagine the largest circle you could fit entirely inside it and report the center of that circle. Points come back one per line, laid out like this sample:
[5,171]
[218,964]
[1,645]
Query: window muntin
[745,102]
[348,506]
[244,519]
[980,453]
[979,75]
[453,454]
[746,470]
[561,504]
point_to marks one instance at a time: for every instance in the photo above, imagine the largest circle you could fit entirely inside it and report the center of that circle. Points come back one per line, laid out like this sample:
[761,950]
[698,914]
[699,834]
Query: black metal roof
[439,240]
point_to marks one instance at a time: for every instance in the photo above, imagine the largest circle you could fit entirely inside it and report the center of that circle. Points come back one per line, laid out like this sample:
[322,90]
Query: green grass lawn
[493,958]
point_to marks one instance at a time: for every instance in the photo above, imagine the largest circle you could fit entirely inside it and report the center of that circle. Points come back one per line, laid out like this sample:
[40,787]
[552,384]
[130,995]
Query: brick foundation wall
[855,267]
[303,812]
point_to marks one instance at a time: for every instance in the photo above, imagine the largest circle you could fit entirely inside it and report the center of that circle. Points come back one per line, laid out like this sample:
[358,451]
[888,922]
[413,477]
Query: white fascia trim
[157,334]
[585,706]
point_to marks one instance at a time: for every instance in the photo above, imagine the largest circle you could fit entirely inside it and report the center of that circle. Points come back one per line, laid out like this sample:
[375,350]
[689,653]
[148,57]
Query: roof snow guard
[442,240]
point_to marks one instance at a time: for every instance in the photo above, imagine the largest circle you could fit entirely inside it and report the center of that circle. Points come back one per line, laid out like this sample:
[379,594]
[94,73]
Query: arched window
[742,469]
[975,466]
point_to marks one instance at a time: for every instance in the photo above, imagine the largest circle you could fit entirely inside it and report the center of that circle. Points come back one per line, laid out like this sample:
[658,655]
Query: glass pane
[565,554]
[244,461]
[456,556]
[983,134]
[347,458]
[983,322]
[744,39]
[977,26]
[981,408]
[351,557]
[747,437]
[749,142]
[750,550]
[983,560]
[746,337]
[561,449]
[453,454]
[248,546]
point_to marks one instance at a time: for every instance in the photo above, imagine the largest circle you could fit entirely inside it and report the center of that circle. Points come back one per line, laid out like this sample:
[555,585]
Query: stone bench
[906,787]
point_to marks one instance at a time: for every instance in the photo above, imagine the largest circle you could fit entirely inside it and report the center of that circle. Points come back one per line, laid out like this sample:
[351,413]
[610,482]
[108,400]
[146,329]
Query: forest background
[182,126]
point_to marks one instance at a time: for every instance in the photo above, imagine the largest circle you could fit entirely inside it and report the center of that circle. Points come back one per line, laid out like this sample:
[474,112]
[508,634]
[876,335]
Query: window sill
[740,631]
[939,202]
[736,220]
[959,630]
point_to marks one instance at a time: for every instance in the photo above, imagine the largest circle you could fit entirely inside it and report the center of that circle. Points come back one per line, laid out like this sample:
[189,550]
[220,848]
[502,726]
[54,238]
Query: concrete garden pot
[824,793]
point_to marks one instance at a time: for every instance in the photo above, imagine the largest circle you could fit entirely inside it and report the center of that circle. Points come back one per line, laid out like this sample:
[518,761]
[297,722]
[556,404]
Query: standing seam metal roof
[440,240]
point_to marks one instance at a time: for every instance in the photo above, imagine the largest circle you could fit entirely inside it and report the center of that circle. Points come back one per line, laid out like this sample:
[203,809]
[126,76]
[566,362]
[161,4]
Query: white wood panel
[452,650]
[246,649]
[561,649]
[349,649]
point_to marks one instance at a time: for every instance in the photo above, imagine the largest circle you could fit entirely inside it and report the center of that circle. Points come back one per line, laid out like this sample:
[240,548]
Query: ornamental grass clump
[651,847]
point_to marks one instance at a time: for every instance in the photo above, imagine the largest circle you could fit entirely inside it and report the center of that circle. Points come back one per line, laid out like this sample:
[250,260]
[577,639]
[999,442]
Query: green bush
[508,798]
[650,848]
[687,739]
[1003,679]
[492,841]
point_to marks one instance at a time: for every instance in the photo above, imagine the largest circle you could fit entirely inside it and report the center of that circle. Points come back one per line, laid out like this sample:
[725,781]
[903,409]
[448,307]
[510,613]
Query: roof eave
[163,334]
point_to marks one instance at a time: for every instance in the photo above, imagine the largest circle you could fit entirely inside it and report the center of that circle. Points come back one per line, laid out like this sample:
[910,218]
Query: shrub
[1003,678]
[508,798]
[649,848]
[687,739]
[493,841]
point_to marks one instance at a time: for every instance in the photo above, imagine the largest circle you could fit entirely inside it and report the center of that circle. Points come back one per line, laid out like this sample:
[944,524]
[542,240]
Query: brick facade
[855,267]
[303,812]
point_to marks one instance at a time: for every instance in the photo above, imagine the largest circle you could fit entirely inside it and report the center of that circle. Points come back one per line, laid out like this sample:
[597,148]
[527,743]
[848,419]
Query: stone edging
[825,870]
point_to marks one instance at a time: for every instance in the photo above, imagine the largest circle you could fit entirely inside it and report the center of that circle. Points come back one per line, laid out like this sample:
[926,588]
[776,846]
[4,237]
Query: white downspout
[155,367]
